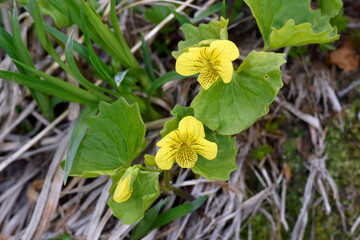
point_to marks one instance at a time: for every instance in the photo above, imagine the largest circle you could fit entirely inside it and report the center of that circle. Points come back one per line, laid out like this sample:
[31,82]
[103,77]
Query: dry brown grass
[34,203]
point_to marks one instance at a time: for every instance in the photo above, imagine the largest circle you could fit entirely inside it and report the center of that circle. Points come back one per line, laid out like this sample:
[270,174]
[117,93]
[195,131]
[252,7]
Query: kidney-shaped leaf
[229,108]
[115,138]
[292,22]
[224,163]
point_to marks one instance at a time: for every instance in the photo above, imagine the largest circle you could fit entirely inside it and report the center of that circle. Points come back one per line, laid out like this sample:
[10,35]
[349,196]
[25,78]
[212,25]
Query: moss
[344,166]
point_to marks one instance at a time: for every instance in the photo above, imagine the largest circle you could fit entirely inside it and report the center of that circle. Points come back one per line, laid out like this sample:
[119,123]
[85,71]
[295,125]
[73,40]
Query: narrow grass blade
[43,86]
[101,68]
[207,12]
[167,77]
[21,49]
[173,214]
[77,136]
[72,8]
[23,54]
[79,77]
[7,43]
[179,17]
[223,9]
[120,51]
[178,212]
[144,225]
[42,34]
[61,85]
[147,59]
[63,38]
[125,47]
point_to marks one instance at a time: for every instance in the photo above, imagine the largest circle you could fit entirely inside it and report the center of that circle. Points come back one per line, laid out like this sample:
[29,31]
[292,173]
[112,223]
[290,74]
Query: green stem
[167,180]
[177,191]
[149,169]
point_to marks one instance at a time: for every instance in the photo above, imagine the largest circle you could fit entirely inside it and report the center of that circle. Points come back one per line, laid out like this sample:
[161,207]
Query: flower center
[186,156]
[183,145]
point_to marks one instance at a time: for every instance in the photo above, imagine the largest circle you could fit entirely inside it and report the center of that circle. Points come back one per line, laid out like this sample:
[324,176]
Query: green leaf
[149,160]
[230,108]
[64,236]
[77,136]
[152,221]
[156,14]
[145,190]
[218,168]
[21,49]
[99,66]
[340,21]
[94,4]
[60,86]
[42,34]
[297,51]
[236,11]
[224,163]
[47,8]
[223,9]
[194,35]
[178,212]
[47,87]
[291,23]
[147,59]
[144,225]
[7,43]
[167,77]
[75,72]
[126,79]
[64,38]
[179,112]
[73,8]
[117,46]
[210,10]
[261,152]
[179,17]
[23,55]
[116,137]
[330,7]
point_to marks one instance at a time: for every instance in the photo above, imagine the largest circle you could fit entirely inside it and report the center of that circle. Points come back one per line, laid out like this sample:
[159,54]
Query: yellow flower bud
[123,190]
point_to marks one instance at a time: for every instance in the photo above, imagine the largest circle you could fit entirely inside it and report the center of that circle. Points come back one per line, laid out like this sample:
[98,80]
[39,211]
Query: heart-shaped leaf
[292,22]
[116,137]
[229,108]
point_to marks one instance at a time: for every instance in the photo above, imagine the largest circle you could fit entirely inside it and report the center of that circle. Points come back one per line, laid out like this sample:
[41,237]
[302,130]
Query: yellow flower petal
[190,127]
[123,190]
[205,148]
[225,69]
[170,140]
[165,157]
[186,157]
[207,77]
[228,49]
[189,63]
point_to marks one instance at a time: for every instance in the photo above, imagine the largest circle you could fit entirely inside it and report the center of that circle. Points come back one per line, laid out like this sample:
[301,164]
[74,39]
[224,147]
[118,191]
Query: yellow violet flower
[184,145]
[211,62]
[123,190]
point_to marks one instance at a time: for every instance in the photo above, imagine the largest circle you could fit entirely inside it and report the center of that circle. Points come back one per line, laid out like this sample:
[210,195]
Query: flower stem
[149,169]
[177,191]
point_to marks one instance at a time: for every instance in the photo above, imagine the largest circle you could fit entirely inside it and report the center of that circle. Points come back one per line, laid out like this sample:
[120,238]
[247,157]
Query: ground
[299,169]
